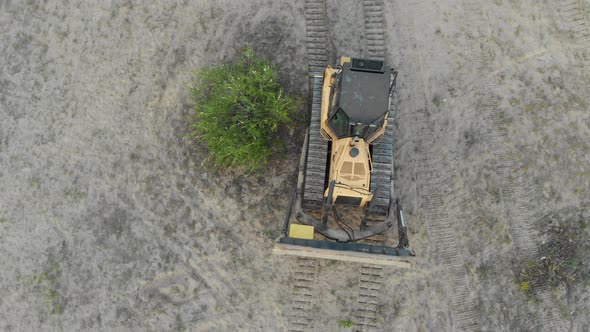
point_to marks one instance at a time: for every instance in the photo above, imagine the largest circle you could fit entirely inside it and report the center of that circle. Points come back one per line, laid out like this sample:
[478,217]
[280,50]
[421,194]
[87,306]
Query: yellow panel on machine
[299,231]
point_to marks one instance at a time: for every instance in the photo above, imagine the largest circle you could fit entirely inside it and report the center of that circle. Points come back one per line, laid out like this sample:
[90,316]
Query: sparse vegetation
[239,109]
[536,107]
[45,284]
[485,271]
[546,270]
[74,194]
[525,286]
[346,323]
[561,263]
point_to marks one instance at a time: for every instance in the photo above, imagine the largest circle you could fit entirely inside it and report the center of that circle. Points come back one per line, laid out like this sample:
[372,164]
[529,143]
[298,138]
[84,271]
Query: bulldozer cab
[360,99]
[359,93]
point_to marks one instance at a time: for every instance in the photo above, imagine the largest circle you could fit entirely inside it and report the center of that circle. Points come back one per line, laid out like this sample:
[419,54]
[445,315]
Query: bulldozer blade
[347,252]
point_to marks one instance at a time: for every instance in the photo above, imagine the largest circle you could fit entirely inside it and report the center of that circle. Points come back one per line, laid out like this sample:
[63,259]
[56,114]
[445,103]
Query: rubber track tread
[317,154]
[382,158]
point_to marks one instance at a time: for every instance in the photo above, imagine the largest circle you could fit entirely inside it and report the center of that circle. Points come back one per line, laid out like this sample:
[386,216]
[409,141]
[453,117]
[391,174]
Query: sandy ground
[109,222]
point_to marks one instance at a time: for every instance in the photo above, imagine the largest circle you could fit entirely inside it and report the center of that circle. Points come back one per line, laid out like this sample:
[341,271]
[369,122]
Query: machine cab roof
[360,98]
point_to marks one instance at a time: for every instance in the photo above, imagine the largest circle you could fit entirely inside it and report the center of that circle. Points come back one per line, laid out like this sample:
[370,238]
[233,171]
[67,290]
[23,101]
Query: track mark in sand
[432,172]
[177,287]
[572,13]
[534,55]
[517,191]
[434,178]
[508,169]
[192,259]
[210,276]
[369,298]
[301,316]
[374,34]
[317,36]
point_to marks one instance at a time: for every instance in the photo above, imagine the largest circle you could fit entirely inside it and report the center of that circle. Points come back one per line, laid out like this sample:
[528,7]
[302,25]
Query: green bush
[239,108]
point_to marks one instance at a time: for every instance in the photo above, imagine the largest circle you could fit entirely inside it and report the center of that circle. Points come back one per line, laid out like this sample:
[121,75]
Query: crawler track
[303,294]
[316,41]
[382,160]
[317,153]
[383,150]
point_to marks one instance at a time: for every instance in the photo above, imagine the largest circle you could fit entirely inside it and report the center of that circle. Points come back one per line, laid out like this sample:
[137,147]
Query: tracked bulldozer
[346,170]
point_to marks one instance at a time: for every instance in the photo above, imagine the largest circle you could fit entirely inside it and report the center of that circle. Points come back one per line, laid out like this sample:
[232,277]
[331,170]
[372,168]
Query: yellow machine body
[352,115]
[350,159]
[350,167]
